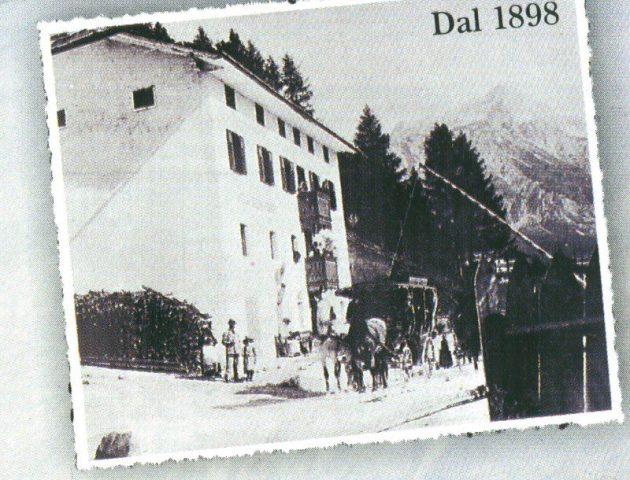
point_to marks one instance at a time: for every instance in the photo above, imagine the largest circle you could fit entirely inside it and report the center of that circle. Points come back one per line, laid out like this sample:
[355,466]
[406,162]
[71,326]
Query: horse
[334,351]
[367,348]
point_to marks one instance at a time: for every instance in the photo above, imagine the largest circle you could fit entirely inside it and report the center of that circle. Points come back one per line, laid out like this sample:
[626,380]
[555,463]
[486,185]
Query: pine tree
[254,61]
[160,33]
[154,32]
[374,196]
[233,47]
[272,74]
[202,41]
[296,87]
[460,228]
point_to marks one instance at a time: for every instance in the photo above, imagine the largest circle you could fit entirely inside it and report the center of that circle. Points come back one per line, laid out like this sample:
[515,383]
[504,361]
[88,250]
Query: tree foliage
[286,79]
[154,31]
[202,42]
[461,228]
[295,86]
[372,182]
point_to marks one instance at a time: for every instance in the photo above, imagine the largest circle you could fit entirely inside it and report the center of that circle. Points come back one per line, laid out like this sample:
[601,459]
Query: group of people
[432,356]
[235,350]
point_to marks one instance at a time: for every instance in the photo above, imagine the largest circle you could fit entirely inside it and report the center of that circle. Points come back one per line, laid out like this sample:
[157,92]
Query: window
[330,188]
[310,144]
[314,181]
[143,98]
[265,166]
[236,152]
[301,179]
[326,154]
[272,244]
[260,115]
[244,239]
[230,97]
[296,137]
[282,128]
[288,175]
[61,118]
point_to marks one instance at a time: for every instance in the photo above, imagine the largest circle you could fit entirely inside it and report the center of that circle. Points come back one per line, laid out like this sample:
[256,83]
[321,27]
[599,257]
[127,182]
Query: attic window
[310,144]
[260,115]
[282,128]
[143,98]
[61,118]
[230,97]
[326,154]
[297,139]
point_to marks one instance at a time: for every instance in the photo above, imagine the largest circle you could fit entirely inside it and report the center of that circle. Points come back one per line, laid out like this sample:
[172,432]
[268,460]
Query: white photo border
[84,462]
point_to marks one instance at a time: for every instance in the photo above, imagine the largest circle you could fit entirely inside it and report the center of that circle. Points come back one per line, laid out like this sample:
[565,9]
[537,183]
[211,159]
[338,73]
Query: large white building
[181,172]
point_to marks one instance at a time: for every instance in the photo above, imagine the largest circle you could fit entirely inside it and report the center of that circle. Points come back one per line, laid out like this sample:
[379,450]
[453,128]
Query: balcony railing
[314,209]
[321,273]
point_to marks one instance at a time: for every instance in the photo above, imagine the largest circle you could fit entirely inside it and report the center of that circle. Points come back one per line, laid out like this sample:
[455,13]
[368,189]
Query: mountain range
[537,157]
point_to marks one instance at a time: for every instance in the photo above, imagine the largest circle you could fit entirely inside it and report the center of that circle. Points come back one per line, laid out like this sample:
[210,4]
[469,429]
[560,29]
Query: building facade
[186,174]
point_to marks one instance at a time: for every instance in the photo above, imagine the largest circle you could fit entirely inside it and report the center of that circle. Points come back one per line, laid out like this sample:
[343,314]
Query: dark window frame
[236,152]
[260,114]
[326,154]
[230,97]
[297,136]
[265,166]
[300,175]
[144,98]
[244,251]
[287,171]
[61,117]
[314,181]
[329,187]
[282,128]
[310,143]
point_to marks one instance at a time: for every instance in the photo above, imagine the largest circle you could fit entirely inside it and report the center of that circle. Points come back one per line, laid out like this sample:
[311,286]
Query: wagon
[408,308]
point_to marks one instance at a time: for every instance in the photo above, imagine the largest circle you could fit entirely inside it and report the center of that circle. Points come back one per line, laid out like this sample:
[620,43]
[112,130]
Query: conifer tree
[202,41]
[160,33]
[233,47]
[254,60]
[461,228]
[272,74]
[371,182]
[148,30]
[296,87]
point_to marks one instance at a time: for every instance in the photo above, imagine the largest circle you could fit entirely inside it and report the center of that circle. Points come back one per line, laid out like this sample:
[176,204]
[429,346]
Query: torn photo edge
[47,29]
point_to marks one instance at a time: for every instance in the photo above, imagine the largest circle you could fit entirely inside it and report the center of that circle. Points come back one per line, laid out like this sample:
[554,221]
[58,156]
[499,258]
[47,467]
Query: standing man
[232,345]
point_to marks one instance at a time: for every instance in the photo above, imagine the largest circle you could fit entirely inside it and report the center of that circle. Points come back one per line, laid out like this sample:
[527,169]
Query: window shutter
[230,145]
[283,174]
[241,156]
[261,164]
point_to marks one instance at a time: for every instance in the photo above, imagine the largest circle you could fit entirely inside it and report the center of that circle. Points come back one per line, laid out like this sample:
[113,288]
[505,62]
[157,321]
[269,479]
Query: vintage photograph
[290,226]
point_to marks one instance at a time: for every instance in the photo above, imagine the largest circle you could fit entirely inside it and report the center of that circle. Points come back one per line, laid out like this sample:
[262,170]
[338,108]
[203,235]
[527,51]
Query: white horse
[334,352]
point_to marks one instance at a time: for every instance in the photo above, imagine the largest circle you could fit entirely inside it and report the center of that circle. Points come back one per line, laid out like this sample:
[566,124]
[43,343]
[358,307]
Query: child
[249,358]
[406,360]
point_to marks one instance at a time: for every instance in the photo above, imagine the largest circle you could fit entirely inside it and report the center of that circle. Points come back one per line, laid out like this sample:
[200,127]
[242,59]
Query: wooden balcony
[314,209]
[321,273]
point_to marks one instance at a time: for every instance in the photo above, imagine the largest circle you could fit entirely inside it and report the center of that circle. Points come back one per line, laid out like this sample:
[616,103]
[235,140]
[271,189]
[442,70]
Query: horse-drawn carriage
[381,315]
[407,308]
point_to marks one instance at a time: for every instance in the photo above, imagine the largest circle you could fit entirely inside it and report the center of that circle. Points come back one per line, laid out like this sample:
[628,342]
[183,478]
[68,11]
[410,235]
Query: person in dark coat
[446,358]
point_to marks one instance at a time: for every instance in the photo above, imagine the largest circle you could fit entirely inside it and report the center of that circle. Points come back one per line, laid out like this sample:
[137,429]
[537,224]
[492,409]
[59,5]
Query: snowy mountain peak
[538,159]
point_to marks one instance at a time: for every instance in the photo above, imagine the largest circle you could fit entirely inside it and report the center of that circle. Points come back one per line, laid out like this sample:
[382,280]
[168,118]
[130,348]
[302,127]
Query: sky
[386,56]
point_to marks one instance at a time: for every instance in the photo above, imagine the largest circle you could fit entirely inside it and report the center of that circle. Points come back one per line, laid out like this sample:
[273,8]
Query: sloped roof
[64,42]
